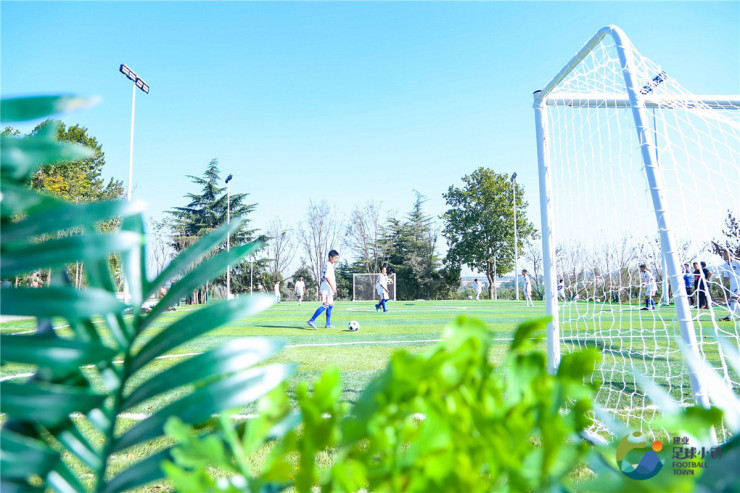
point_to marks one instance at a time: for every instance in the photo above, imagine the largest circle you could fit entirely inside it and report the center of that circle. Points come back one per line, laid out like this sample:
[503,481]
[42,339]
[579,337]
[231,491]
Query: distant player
[381,287]
[731,269]
[648,283]
[277,292]
[561,290]
[527,289]
[701,283]
[688,281]
[327,291]
[300,288]
[478,289]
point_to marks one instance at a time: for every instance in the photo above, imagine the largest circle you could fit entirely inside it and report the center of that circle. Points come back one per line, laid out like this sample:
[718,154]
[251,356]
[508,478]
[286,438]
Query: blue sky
[347,102]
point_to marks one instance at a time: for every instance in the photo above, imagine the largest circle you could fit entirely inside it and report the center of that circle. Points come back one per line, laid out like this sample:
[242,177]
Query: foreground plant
[445,420]
[61,420]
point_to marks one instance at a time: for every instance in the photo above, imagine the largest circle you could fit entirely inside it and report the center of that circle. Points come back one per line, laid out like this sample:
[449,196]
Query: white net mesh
[364,287]
[604,224]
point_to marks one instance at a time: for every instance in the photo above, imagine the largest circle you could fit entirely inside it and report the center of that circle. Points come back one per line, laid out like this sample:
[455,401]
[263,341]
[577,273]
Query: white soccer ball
[470,297]
[353,326]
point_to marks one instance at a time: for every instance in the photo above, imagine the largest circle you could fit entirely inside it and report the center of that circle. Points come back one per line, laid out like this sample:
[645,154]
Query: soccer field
[410,325]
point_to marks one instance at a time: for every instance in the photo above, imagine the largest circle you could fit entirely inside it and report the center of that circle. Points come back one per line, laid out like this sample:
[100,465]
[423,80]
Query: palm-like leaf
[45,413]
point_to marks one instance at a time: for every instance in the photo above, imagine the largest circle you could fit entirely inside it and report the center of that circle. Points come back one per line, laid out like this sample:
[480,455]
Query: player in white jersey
[648,283]
[561,290]
[277,292]
[731,269]
[527,289]
[327,290]
[478,289]
[381,287]
[300,288]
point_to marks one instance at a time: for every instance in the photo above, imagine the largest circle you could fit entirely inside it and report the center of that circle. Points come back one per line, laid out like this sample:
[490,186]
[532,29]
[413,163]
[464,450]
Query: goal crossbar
[731,102]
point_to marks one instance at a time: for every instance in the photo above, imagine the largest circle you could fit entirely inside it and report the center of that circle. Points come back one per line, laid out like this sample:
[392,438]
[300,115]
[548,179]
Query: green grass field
[360,355]
[415,326]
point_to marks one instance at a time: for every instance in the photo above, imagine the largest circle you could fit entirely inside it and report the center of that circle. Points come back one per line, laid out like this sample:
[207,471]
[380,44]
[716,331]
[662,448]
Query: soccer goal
[363,287]
[634,169]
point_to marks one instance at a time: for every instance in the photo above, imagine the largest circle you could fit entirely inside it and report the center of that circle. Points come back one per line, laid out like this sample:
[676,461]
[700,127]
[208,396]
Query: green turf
[414,326]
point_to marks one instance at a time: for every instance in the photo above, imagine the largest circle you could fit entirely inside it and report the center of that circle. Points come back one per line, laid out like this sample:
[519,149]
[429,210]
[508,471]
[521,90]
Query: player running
[327,290]
[381,287]
[731,269]
[478,289]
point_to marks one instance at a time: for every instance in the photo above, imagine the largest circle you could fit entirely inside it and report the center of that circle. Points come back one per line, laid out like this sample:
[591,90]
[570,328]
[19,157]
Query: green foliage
[57,417]
[479,226]
[444,420]
[77,180]
[412,245]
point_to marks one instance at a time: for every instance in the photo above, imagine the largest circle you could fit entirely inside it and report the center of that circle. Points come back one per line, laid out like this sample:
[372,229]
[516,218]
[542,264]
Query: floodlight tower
[138,82]
[516,240]
[228,237]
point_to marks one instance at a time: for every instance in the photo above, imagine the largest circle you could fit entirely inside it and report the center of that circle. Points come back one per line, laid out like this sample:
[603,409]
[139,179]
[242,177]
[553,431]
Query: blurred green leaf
[143,472]
[67,216]
[17,198]
[529,333]
[187,257]
[198,323]
[19,259]
[24,108]
[232,391]
[20,157]
[223,360]
[23,456]
[205,271]
[58,301]
[48,404]
[52,351]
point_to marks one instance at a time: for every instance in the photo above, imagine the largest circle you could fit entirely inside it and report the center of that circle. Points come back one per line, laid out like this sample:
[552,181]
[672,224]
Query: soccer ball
[353,326]
[470,297]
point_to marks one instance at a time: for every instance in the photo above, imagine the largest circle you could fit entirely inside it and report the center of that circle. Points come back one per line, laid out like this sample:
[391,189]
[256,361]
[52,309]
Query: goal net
[363,287]
[636,170]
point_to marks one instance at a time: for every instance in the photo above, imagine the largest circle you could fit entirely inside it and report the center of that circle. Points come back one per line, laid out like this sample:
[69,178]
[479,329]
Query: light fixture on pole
[138,82]
[228,237]
[516,240]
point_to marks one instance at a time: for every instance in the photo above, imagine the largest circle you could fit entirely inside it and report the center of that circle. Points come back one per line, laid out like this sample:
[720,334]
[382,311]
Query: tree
[731,232]
[412,246]
[364,237]
[318,235]
[161,251]
[280,248]
[79,180]
[76,181]
[479,226]
[533,256]
[205,212]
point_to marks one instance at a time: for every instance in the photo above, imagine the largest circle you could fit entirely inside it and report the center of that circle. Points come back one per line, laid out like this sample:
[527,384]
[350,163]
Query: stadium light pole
[137,82]
[516,239]
[228,237]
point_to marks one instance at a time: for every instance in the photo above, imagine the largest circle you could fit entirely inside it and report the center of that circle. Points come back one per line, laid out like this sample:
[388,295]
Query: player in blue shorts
[327,291]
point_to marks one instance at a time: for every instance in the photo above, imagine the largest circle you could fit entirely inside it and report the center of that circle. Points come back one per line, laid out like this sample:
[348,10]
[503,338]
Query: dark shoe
[644,308]
[726,319]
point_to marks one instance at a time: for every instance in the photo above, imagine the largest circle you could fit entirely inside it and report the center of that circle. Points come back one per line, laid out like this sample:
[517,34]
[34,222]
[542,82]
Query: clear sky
[347,102]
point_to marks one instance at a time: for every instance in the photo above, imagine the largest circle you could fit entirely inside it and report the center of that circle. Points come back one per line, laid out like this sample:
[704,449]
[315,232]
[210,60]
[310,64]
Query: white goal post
[363,287]
[633,169]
